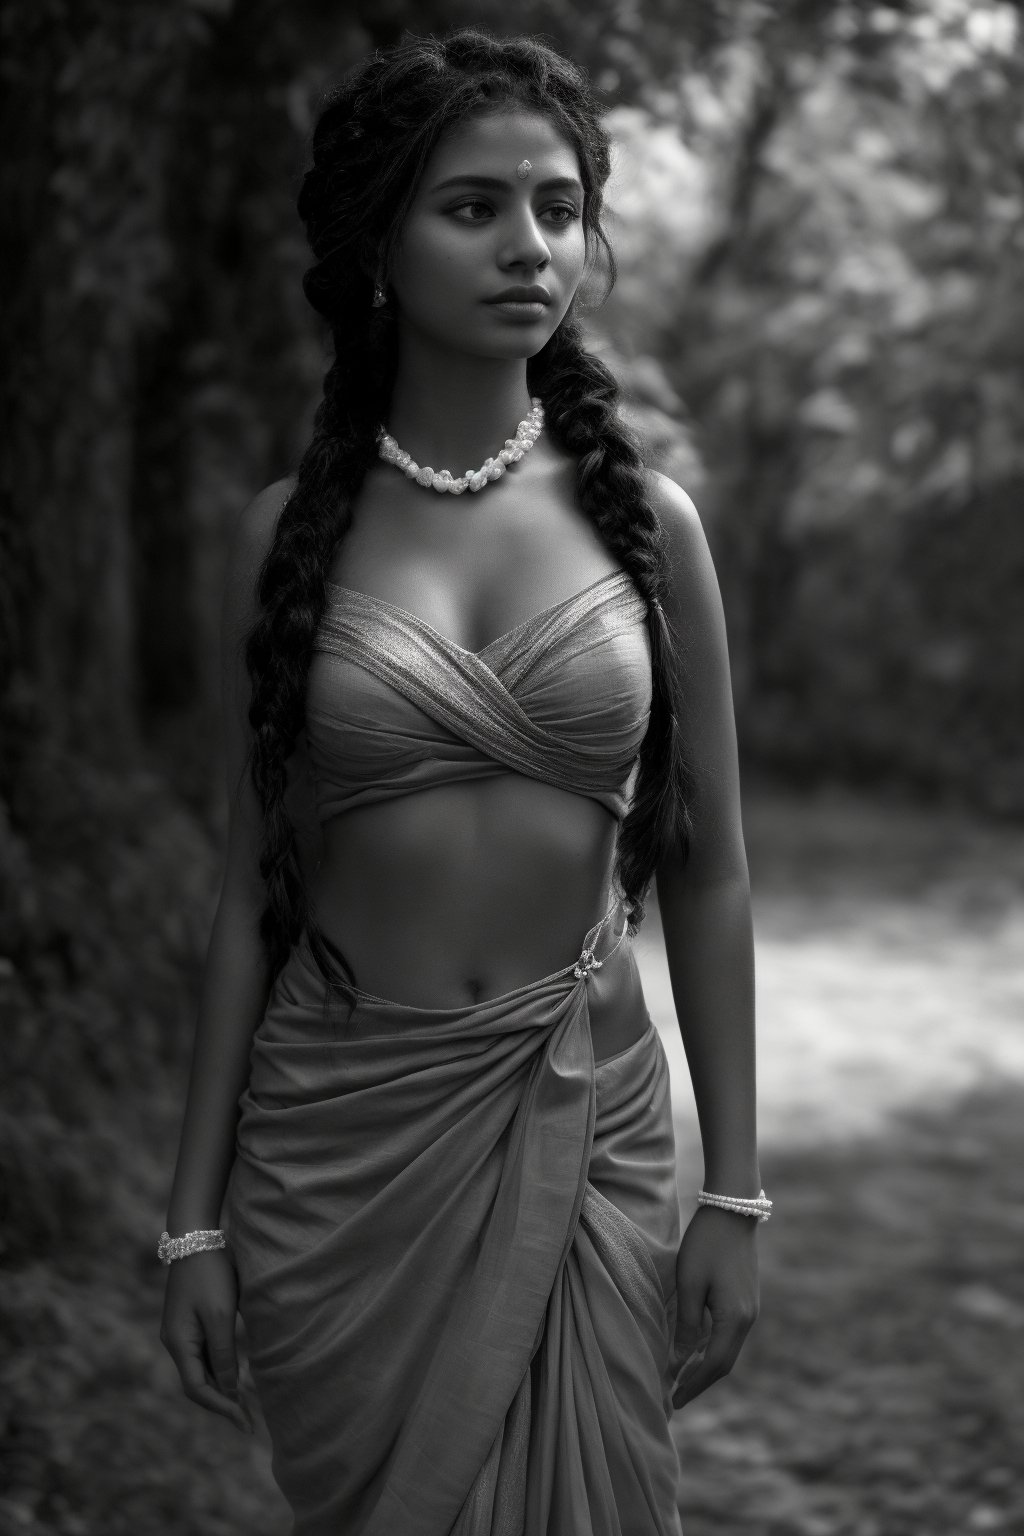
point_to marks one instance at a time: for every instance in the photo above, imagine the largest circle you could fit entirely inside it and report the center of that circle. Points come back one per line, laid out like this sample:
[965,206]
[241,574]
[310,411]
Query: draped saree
[455,1236]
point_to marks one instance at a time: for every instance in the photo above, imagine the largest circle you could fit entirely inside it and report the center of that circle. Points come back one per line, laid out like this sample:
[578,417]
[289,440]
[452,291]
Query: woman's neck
[453,411]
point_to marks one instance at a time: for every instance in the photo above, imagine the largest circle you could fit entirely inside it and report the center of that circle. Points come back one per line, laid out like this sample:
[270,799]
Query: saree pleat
[455,1237]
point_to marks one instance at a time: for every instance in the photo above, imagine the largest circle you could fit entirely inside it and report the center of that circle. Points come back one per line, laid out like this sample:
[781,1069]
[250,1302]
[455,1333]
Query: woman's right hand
[198,1331]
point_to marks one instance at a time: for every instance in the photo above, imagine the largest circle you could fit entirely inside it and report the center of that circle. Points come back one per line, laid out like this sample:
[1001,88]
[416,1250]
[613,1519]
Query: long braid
[580,397]
[292,591]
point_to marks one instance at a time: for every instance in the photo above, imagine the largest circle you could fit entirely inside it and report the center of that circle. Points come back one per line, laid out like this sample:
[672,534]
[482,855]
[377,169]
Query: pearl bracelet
[759,1205]
[170,1248]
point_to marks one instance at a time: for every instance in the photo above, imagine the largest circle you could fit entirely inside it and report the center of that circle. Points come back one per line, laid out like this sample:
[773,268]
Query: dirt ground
[882,1391]
[890,964]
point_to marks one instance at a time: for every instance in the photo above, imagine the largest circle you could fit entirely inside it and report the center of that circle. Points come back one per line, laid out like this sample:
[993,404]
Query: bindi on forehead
[494,146]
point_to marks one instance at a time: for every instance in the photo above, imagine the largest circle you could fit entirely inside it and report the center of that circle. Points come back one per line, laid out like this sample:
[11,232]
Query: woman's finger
[223,1357]
[199,1389]
[721,1354]
[691,1331]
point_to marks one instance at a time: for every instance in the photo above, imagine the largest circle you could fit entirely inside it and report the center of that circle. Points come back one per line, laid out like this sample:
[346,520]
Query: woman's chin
[497,342]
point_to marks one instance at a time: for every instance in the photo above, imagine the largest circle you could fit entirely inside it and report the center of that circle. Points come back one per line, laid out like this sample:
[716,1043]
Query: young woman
[450,1191]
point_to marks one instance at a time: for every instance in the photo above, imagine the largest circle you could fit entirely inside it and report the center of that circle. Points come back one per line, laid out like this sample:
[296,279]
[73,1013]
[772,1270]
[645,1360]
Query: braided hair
[370,145]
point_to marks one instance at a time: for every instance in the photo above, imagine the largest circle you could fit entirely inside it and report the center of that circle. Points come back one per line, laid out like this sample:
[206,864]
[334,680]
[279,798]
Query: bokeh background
[817,208]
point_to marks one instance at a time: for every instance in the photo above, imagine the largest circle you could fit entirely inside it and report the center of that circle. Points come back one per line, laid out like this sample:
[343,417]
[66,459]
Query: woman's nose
[525,245]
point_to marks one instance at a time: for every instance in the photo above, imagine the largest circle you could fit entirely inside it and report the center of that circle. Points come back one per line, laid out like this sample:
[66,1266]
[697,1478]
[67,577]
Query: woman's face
[489,260]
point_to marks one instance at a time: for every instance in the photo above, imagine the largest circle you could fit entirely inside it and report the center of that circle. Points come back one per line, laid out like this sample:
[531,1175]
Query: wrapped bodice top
[393,706]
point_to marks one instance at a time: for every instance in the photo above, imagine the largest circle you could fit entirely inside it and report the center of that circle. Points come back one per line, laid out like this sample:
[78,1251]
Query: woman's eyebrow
[498,184]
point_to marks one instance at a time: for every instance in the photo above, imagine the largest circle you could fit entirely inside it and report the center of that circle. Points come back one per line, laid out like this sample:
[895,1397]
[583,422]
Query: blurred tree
[155,362]
[847,334]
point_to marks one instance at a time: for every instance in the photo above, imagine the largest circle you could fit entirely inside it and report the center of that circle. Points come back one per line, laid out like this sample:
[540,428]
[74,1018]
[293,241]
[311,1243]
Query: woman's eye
[476,212]
[469,211]
[565,213]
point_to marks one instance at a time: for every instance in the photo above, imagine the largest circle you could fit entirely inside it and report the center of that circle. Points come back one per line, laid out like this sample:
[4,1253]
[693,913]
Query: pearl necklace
[527,433]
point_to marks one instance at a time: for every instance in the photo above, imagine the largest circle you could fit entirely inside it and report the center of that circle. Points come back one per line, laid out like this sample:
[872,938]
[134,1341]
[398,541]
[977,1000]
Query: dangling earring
[380,298]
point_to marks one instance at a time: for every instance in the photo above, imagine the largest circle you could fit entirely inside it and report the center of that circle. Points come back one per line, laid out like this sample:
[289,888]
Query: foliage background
[820,325]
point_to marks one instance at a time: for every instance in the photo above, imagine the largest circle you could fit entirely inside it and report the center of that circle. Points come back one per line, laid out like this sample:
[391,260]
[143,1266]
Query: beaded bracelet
[758,1205]
[170,1248]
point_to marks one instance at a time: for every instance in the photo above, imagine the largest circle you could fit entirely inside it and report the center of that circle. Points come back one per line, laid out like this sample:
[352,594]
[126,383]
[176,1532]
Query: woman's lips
[519,309]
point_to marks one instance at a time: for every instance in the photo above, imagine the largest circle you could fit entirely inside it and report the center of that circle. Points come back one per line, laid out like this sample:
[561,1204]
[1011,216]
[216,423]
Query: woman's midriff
[459,894]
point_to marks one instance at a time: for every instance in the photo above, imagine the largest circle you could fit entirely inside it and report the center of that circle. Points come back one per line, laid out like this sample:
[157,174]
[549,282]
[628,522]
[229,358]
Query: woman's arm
[705,910]
[233,997]
[201,1300]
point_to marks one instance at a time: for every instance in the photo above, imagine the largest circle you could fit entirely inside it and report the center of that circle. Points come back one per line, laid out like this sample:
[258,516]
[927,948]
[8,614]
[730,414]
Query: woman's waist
[450,912]
[318,1001]
[449,945]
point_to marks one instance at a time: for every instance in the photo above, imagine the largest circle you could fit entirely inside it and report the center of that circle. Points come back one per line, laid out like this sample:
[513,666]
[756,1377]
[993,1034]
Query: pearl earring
[380,298]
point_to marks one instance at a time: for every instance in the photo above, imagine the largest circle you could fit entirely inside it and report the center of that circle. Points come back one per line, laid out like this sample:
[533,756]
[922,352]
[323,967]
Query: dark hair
[370,146]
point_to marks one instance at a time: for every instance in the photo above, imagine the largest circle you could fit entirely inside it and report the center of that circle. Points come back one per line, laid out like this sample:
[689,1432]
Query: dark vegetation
[826,343]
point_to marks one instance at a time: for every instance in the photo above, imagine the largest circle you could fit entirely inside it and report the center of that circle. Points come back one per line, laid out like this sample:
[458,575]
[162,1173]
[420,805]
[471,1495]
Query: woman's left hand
[716,1269]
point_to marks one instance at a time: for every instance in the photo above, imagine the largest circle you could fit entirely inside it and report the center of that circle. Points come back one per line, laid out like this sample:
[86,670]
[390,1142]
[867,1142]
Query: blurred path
[890,954]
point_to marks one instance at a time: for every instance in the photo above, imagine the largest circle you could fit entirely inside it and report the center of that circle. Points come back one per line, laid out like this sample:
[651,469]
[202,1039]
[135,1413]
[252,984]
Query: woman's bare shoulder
[692,584]
[257,521]
[252,537]
[679,519]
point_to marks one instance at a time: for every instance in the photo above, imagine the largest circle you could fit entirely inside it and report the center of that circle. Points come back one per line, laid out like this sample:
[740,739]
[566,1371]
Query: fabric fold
[455,1236]
[394,707]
